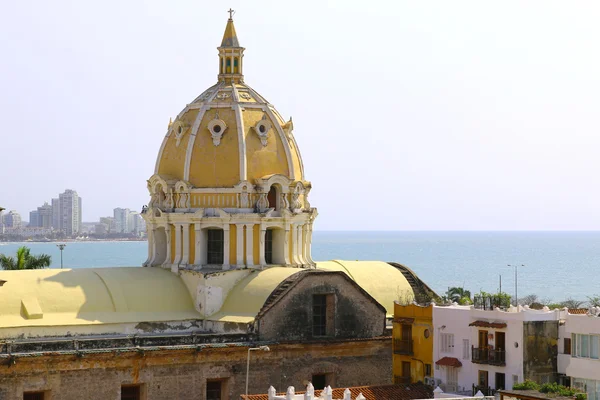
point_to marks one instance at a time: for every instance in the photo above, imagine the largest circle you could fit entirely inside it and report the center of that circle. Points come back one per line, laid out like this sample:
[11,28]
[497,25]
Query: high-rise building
[69,212]
[34,218]
[42,217]
[121,216]
[55,214]
[136,223]
[12,219]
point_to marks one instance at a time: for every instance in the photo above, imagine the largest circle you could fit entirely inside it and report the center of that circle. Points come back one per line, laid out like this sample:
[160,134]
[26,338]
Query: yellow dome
[229,133]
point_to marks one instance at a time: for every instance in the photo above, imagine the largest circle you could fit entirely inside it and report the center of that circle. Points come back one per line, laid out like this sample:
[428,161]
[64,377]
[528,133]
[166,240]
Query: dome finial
[231,12]
[230,54]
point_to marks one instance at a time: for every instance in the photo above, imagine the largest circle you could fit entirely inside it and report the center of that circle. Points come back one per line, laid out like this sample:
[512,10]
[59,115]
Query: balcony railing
[401,380]
[403,346]
[484,355]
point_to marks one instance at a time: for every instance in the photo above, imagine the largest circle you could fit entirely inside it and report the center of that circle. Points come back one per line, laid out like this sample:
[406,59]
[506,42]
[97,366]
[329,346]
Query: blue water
[557,265]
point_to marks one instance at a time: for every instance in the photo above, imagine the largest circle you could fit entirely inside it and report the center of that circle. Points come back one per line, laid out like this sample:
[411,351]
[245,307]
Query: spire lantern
[230,54]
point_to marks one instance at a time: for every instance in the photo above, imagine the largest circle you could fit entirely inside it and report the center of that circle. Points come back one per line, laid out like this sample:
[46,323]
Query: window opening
[130,392]
[272,196]
[269,246]
[319,315]
[213,390]
[34,396]
[319,381]
[500,381]
[215,247]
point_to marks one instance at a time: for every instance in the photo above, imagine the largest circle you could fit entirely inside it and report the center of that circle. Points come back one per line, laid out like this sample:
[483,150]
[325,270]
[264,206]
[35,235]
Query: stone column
[177,258]
[197,245]
[261,246]
[299,245]
[168,234]
[185,256]
[151,245]
[239,244]
[304,243]
[309,245]
[226,246]
[286,246]
[249,245]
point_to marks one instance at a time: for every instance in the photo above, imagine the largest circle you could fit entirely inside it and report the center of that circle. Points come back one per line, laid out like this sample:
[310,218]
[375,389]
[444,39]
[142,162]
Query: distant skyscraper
[55,214]
[69,207]
[42,217]
[12,219]
[122,220]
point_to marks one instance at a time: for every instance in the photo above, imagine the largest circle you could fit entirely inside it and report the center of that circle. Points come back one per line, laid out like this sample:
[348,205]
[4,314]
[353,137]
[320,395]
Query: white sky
[409,115]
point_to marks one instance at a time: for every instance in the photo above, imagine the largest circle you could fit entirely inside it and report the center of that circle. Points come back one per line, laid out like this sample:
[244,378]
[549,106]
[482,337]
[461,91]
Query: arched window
[272,197]
[228,70]
[235,66]
[214,246]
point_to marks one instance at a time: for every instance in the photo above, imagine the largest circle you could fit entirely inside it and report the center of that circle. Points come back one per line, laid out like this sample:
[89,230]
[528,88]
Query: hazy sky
[409,115]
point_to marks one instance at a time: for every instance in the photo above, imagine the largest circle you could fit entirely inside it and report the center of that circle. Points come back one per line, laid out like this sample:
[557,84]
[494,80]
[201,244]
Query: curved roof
[381,280]
[51,297]
[246,299]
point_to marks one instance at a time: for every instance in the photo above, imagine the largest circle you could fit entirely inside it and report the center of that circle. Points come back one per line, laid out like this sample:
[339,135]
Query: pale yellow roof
[230,36]
[381,280]
[53,297]
[246,299]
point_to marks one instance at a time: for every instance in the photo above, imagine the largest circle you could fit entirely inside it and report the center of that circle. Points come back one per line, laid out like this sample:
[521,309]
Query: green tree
[594,301]
[459,295]
[24,260]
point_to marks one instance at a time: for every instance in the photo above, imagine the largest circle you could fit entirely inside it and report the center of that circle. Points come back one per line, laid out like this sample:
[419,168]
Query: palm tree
[25,260]
[458,294]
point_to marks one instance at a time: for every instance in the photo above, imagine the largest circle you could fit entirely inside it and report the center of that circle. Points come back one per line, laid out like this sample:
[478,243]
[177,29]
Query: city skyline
[465,125]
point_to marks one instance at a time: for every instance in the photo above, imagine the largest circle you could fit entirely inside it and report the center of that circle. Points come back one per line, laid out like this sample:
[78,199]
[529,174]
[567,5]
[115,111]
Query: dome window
[262,130]
[216,128]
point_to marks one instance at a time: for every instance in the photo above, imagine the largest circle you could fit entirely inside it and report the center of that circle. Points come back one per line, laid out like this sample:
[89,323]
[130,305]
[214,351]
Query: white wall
[575,367]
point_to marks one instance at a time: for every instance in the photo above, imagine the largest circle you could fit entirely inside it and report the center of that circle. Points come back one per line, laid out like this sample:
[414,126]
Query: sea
[553,265]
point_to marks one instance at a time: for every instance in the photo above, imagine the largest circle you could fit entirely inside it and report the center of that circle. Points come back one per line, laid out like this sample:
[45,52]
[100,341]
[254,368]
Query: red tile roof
[384,392]
[449,362]
[486,324]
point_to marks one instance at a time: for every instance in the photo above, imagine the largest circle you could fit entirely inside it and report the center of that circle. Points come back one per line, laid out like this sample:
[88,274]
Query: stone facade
[181,372]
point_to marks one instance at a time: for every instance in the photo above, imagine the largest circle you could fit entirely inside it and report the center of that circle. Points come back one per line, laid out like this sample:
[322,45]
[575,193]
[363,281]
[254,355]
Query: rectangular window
[323,315]
[594,346]
[500,381]
[34,396]
[427,369]
[483,379]
[466,349]
[447,342]
[214,390]
[567,346]
[269,246]
[585,345]
[130,392]
[515,379]
[214,247]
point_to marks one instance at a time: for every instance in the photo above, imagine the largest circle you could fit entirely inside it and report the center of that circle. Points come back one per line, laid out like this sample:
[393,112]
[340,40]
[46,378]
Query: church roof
[230,36]
[94,296]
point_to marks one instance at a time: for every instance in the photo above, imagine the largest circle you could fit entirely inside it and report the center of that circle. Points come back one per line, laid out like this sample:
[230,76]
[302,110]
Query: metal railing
[403,346]
[484,355]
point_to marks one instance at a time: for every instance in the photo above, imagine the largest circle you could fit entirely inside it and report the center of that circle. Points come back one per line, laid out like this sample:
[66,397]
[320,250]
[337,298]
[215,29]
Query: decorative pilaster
[239,245]
[151,246]
[177,258]
[261,246]
[197,245]
[185,255]
[167,261]
[249,245]
[226,245]
[286,246]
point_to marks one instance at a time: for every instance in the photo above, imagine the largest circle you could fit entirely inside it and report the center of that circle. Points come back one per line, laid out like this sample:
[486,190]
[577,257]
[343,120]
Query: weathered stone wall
[357,315]
[183,373]
[540,352]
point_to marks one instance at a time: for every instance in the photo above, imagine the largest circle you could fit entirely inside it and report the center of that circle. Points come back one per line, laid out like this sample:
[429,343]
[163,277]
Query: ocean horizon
[555,265]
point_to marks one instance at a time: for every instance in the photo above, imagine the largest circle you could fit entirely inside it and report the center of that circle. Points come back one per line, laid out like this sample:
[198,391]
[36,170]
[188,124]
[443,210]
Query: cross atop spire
[231,12]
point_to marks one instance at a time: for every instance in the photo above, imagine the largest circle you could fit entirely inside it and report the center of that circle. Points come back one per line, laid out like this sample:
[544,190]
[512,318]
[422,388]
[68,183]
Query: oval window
[179,130]
[262,129]
[217,128]
[426,333]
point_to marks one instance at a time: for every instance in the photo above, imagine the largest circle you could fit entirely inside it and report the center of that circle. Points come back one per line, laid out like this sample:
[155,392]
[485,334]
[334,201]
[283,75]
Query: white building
[69,212]
[121,216]
[12,219]
[579,351]
[492,349]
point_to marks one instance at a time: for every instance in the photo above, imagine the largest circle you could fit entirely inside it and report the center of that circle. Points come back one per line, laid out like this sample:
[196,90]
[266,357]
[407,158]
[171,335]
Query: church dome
[229,133]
